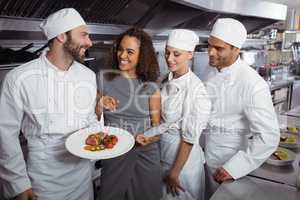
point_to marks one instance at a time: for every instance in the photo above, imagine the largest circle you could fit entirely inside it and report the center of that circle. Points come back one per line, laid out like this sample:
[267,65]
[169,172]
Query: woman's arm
[99,108]
[172,180]
[154,108]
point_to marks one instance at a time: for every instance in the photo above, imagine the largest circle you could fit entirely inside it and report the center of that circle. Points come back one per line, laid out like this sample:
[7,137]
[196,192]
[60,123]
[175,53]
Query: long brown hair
[147,68]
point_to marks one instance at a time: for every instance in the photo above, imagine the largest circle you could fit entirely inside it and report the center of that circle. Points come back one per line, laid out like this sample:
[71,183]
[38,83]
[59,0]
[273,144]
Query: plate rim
[282,162]
[104,157]
[289,145]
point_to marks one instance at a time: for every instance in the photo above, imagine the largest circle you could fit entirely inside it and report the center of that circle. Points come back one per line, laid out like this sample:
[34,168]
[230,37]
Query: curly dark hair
[147,68]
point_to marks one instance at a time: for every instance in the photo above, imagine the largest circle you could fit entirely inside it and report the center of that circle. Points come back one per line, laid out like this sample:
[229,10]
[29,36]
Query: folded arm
[264,128]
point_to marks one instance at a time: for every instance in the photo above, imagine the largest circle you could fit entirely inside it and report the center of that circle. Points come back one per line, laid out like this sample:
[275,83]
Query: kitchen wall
[101,54]
[200,65]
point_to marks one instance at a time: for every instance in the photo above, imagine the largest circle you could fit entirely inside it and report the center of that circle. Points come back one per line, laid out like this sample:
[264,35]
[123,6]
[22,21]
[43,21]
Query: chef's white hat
[60,22]
[230,31]
[183,39]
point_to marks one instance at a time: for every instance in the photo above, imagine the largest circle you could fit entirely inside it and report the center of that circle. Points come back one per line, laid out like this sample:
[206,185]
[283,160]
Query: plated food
[281,157]
[293,129]
[98,143]
[288,140]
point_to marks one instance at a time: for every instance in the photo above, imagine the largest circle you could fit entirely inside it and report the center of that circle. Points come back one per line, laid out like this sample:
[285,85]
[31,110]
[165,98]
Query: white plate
[290,161]
[75,143]
[290,145]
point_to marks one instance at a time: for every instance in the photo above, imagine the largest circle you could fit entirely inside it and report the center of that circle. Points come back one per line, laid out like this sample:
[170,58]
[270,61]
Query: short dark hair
[49,43]
[68,33]
[232,47]
[147,68]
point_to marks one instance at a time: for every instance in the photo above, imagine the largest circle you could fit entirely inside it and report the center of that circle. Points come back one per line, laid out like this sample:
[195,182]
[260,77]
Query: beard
[73,49]
[213,62]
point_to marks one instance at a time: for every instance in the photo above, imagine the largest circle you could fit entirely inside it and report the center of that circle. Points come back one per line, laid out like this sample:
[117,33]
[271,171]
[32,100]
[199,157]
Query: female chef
[185,111]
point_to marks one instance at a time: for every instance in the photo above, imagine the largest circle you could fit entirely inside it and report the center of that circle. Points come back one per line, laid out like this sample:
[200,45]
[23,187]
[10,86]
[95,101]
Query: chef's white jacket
[47,104]
[243,129]
[185,112]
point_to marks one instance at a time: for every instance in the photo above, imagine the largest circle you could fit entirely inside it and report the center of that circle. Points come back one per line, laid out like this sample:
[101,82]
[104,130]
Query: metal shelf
[281,84]
[280,101]
[278,86]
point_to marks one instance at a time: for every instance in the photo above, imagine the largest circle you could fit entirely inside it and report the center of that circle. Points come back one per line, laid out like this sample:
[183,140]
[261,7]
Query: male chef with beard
[47,99]
[243,129]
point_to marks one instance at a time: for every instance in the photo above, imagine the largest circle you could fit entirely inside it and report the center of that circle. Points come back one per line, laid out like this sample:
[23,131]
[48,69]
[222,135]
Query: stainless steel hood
[255,14]
[107,18]
[254,8]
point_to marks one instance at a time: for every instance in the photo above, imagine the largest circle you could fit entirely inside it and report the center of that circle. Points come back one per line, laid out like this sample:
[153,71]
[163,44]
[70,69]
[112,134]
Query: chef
[185,110]
[243,129]
[48,99]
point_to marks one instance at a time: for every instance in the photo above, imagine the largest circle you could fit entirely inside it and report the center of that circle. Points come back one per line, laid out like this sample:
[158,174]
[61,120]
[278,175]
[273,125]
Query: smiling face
[78,41]
[128,54]
[221,54]
[177,60]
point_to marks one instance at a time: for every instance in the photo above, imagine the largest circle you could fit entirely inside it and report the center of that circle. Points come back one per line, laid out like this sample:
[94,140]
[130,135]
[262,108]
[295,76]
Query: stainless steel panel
[262,9]
[171,16]
[249,188]
[32,25]
[163,67]
[200,65]
[13,28]
[138,7]
[296,94]
[157,15]
[286,174]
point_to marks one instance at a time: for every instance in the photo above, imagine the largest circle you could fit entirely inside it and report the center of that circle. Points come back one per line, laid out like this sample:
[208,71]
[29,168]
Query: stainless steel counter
[268,181]
[295,112]
[250,188]
[281,174]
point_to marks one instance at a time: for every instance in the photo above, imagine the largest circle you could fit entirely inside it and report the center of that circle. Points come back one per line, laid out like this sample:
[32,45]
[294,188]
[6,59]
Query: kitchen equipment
[296,57]
[291,141]
[8,56]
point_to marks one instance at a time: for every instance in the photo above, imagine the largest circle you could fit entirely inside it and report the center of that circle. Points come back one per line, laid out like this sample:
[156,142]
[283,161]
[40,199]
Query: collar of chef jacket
[55,68]
[175,85]
[184,84]
[229,74]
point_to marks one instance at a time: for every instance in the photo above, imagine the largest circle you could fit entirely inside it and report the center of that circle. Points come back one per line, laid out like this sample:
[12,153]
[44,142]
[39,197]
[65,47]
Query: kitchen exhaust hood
[19,19]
